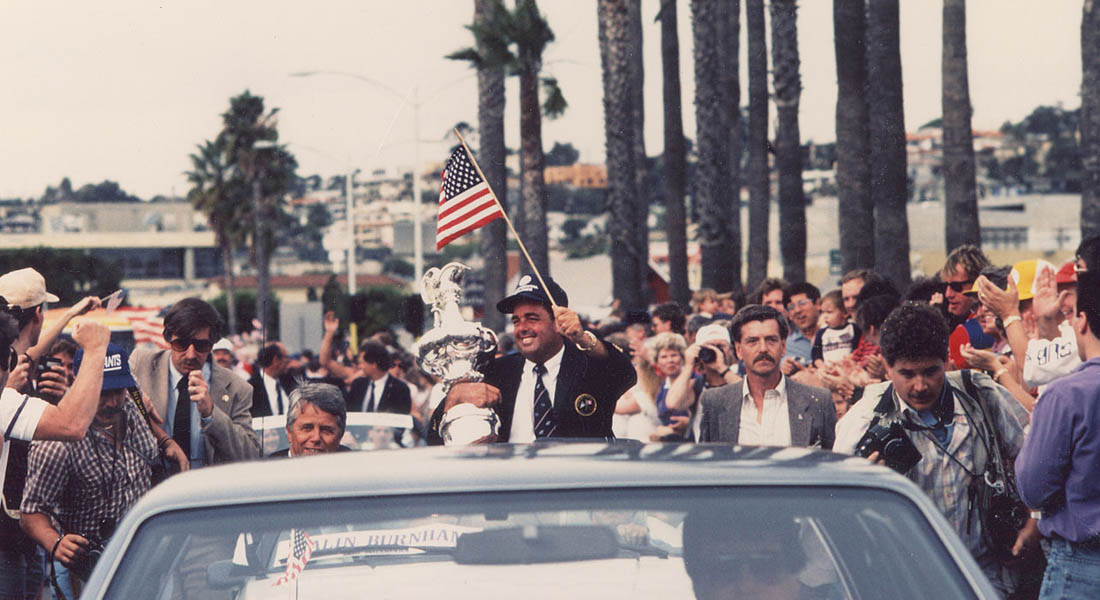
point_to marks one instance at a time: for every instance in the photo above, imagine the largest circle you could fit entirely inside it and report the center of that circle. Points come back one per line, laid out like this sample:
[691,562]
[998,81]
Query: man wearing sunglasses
[959,272]
[205,407]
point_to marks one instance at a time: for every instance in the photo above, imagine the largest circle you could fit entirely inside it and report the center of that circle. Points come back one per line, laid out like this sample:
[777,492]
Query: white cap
[25,288]
[708,334]
[223,344]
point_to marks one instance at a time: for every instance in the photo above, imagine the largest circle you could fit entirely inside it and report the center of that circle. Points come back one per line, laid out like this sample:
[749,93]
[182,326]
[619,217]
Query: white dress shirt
[374,390]
[523,415]
[271,385]
[772,427]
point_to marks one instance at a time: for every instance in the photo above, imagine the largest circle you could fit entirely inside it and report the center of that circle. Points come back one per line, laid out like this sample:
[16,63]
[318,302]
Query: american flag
[465,200]
[301,549]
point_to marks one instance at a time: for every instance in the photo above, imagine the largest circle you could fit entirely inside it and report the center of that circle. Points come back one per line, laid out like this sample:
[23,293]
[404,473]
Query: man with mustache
[944,421]
[563,382]
[204,406]
[766,408]
[77,491]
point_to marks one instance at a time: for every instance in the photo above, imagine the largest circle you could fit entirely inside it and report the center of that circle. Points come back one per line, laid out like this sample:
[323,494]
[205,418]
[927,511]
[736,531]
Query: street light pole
[418,233]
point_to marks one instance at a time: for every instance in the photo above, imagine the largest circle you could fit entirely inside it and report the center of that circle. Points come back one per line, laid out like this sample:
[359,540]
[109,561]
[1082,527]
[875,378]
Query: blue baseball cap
[116,368]
[529,289]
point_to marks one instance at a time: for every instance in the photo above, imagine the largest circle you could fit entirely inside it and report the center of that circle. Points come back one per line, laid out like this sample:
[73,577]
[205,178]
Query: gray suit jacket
[813,416]
[229,436]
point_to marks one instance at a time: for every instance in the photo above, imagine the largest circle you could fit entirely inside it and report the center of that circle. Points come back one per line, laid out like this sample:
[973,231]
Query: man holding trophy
[563,382]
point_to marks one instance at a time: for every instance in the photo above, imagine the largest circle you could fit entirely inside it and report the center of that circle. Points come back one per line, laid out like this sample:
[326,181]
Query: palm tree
[218,195]
[888,160]
[249,135]
[788,144]
[525,29]
[674,161]
[490,119]
[960,194]
[1090,120]
[729,37]
[758,182]
[712,181]
[641,161]
[618,98]
[856,216]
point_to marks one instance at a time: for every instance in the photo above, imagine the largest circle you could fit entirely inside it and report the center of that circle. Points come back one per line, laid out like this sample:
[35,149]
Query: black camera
[707,355]
[46,365]
[892,445]
[83,564]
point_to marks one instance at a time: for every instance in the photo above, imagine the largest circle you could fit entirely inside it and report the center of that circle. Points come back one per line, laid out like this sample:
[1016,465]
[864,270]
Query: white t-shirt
[21,413]
[1048,360]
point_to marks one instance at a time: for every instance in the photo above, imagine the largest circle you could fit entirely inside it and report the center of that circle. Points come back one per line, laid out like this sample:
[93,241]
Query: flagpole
[504,213]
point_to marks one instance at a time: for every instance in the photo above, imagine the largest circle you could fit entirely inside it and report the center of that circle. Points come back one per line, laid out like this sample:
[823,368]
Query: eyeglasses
[959,286]
[12,360]
[803,303]
[182,344]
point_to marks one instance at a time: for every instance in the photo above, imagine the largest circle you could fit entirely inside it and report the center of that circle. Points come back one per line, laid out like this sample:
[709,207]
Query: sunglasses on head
[182,344]
[959,286]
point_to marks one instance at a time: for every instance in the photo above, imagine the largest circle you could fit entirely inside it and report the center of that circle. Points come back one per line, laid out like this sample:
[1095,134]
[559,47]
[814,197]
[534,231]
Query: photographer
[77,491]
[949,426]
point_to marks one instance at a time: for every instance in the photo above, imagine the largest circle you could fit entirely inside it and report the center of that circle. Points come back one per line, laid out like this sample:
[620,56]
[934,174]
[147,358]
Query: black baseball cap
[529,289]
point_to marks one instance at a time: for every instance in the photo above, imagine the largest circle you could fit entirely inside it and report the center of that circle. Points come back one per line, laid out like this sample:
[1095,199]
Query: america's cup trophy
[450,352]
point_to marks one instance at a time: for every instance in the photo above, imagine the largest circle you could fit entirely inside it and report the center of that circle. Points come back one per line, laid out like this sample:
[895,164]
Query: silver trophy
[449,351]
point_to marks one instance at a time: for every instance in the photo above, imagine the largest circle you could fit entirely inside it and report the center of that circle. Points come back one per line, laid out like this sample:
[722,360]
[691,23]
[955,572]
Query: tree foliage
[70,274]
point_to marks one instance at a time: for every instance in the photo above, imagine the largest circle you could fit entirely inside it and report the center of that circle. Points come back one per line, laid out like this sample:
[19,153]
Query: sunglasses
[12,359]
[182,344]
[959,286]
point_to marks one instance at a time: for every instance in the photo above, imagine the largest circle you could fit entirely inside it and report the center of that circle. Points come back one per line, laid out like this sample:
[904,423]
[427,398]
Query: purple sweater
[1058,469]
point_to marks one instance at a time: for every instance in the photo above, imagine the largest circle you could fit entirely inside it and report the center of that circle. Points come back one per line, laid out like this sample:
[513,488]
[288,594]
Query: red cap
[1067,273]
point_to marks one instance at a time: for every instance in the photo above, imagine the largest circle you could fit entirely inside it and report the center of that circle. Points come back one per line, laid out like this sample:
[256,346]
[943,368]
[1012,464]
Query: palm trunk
[888,159]
[1090,120]
[675,166]
[788,147]
[712,189]
[490,118]
[614,32]
[961,206]
[758,182]
[856,212]
[535,235]
[729,42]
[263,258]
[230,287]
[637,110]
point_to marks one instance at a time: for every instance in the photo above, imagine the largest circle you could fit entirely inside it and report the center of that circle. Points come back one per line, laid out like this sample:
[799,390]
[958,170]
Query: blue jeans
[20,569]
[1073,571]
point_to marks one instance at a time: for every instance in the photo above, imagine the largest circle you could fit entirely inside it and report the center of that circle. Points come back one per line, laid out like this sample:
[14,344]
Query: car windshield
[717,542]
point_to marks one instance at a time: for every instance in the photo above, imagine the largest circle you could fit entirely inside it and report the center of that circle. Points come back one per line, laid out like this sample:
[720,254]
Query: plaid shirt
[80,484]
[944,479]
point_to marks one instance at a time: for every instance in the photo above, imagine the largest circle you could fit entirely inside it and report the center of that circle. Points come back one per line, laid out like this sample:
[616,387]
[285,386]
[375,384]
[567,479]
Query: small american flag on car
[301,548]
[465,200]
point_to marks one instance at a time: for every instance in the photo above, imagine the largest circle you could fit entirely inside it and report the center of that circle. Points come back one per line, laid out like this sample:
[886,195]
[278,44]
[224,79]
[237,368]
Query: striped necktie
[544,410]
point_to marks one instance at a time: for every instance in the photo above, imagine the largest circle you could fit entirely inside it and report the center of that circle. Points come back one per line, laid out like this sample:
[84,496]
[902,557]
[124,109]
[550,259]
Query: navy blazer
[395,396]
[584,400]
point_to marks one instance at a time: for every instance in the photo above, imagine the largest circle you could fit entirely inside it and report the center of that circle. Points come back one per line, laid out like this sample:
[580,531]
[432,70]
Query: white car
[556,520]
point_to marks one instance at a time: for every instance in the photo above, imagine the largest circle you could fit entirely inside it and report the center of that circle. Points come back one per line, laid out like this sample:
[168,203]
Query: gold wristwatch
[590,342]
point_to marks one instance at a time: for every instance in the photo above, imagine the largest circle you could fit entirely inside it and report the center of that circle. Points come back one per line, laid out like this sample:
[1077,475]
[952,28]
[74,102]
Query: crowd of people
[951,382]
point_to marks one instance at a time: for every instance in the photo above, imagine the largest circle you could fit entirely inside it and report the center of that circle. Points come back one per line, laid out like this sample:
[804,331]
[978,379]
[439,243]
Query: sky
[125,89]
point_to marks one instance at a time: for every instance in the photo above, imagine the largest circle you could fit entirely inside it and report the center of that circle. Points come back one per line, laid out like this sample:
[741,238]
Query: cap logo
[113,362]
[526,284]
